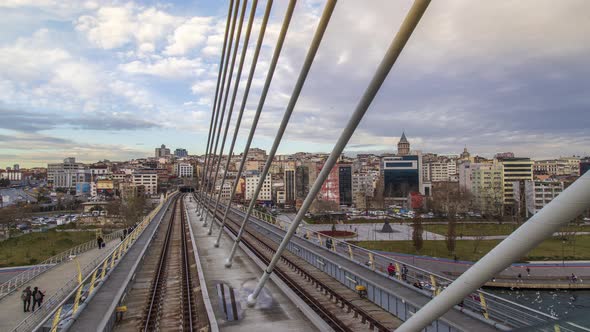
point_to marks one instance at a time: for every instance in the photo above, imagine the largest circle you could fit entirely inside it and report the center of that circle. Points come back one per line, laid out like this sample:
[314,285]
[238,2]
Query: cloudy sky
[112,79]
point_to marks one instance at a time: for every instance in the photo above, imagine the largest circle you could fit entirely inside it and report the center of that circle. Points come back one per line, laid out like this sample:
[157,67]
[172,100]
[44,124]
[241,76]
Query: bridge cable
[239,119]
[393,52]
[219,119]
[309,58]
[203,168]
[229,114]
[232,104]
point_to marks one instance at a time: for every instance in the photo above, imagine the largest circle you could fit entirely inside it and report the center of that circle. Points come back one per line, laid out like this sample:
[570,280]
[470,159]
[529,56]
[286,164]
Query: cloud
[187,36]
[116,26]
[32,122]
[168,67]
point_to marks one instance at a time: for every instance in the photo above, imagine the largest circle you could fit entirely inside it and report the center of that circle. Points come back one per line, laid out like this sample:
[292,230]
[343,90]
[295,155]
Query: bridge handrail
[24,277]
[35,320]
[498,308]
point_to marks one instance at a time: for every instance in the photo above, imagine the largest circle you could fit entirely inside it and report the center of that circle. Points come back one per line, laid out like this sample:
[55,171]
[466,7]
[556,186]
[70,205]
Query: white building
[148,180]
[64,175]
[540,193]
[265,191]
[184,170]
[11,175]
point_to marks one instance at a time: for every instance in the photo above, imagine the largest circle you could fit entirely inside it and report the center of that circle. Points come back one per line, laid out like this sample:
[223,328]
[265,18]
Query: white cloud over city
[97,78]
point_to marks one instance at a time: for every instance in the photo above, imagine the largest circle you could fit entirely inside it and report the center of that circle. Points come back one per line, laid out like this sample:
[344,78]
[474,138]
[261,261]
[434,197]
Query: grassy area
[472,250]
[36,247]
[488,229]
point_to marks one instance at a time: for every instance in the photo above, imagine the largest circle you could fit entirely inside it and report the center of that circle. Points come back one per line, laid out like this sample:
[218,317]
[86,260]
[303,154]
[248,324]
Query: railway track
[166,295]
[337,305]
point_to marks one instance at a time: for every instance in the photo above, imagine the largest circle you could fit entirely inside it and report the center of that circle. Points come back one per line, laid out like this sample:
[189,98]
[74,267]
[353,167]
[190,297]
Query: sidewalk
[11,307]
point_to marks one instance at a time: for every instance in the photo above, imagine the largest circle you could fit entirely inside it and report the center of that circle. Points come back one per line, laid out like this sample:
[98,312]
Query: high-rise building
[162,151]
[345,184]
[515,170]
[290,180]
[301,182]
[180,153]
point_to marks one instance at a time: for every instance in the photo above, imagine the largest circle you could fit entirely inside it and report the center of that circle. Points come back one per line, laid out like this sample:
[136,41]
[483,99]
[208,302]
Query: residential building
[183,170]
[442,171]
[487,186]
[540,193]
[265,194]
[11,174]
[148,180]
[301,182]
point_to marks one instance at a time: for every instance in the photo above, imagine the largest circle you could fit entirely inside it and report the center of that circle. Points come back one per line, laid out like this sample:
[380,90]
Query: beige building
[148,180]
[487,187]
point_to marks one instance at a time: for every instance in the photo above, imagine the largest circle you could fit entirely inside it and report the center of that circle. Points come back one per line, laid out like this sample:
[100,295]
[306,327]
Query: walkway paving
[11,307]
[273,311]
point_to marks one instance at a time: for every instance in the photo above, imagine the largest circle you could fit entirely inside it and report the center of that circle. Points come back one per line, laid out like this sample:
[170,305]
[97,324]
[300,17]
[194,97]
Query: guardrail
[81,288]
[24,277]
[492,309]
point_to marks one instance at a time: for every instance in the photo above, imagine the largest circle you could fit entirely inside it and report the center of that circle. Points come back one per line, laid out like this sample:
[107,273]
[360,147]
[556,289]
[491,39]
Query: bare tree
[132,209]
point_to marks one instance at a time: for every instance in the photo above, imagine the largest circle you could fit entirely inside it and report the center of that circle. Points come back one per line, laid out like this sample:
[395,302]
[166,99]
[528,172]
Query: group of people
[391,271]
[127,231]
[35,295]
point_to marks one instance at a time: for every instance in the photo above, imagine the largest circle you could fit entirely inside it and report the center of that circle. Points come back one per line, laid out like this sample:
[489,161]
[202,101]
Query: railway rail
[341,308]
[166,296]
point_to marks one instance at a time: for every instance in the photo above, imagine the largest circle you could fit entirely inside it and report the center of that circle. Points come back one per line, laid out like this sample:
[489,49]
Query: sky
[113,79]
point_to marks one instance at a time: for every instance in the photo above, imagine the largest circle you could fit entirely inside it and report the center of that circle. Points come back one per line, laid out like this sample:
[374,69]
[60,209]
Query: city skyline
[69,88]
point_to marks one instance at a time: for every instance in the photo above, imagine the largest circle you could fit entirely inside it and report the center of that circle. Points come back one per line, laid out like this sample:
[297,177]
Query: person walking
[26,298]
[100,242]
[37,298]
[404,272]
[528,271]
[391,270]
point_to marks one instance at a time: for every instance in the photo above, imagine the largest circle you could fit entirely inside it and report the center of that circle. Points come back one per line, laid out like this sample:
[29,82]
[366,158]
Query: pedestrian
[26,297]
[519,277]
[37,298]
[329,243]
[404,272]
[574,278]
[528,271]
[99,242]
[391,270]
[125,232]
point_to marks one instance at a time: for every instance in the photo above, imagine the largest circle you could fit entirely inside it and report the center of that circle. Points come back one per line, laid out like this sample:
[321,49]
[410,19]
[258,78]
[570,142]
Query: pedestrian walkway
[11,306]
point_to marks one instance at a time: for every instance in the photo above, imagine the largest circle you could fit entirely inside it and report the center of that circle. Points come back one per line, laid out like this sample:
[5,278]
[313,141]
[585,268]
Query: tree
[132,209]
[417,234]
[449,200]
[4,183]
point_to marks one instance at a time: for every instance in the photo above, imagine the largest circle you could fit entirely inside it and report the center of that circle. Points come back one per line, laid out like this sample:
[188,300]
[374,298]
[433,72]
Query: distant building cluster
[402,179]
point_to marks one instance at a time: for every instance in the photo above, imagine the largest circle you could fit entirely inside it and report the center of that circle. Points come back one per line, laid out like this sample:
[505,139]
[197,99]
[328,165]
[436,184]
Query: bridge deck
[104,301]
[273,312]
[459,320]
[11,307]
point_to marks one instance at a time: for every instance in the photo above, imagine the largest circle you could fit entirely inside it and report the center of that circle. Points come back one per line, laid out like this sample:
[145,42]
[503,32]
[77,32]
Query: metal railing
[486,306]
[24,277]
[107,261]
